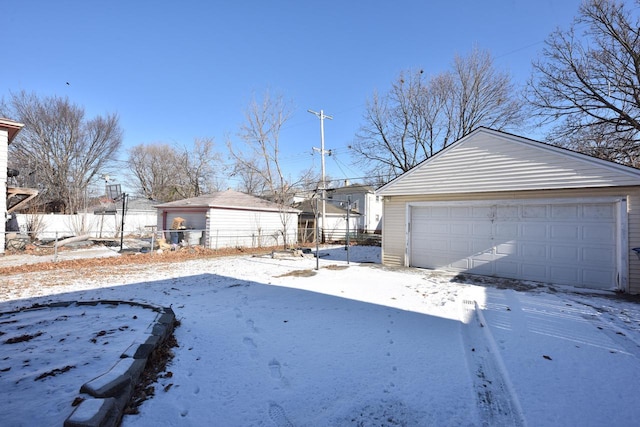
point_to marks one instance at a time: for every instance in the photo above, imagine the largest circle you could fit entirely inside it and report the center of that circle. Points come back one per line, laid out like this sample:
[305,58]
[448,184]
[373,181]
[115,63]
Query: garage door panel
[561,242]
[506,231]
[564,232]
[460,212]
[598,255]
[479,246]
[564,274]
[564,212]
[463,247]
[462,264]
[598,212]
[507,212]
[438,227]
[596,278]
[534,251]
[436,244]
[535,271]
[460,228]
[439,212]
[479,266]
[420,226]
[603,233]
[534,211]
[534,231]
[565,254]
[481,212]
[481,229]
[510,248]
[507,268]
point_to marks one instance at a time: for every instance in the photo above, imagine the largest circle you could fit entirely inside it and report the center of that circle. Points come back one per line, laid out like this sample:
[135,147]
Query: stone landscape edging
[104,398]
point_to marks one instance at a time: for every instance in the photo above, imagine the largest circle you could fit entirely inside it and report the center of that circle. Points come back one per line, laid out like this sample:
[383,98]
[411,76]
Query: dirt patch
[53,372]
[183,254]
[156,368]
[299,273]
[336,267]
[310,273]
[498,282]
[22,338]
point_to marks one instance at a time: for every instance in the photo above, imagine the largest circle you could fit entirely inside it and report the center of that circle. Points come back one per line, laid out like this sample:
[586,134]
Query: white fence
[50,226]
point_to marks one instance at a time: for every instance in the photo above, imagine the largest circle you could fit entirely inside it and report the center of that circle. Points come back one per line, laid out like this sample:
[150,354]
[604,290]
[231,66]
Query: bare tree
[264,120]
[259,165]
[421,115]
[60,150]
[160,172]
[480,95]
[153,167]
[250,180]
[198,167]
[587,82]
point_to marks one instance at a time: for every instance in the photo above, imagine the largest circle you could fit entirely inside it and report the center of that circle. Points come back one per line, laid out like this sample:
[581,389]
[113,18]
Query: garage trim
[621,234]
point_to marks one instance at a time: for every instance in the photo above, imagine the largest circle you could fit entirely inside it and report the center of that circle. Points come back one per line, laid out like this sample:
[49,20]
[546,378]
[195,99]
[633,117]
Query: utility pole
[322,151]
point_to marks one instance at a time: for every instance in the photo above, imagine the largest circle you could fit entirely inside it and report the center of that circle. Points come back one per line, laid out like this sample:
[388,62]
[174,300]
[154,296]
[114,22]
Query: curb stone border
[106,396]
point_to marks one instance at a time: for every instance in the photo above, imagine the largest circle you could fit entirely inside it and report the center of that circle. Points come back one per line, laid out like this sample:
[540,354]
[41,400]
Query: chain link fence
[26,231]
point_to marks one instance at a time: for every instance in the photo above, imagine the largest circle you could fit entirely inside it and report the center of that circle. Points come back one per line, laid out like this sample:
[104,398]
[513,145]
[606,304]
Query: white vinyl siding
[488,161]
[246,228]
[393,226]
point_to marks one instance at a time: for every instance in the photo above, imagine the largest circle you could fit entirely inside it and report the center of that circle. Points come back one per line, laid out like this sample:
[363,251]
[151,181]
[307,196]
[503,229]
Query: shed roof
[228,199]
[489,160]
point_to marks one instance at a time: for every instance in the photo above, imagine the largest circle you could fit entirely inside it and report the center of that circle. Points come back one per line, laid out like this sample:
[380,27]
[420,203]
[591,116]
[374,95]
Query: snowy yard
[272,342]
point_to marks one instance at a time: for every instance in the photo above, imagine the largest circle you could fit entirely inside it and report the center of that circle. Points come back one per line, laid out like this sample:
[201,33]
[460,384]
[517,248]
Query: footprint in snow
[278,416]
[251,325]
[274,368]
[251,346]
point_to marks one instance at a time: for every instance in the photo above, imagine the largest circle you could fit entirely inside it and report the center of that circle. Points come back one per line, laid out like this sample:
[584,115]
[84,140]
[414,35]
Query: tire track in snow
[497,402]
[608,326]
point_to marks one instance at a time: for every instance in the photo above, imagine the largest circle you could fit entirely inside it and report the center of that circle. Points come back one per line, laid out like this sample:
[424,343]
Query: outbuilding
[337,222]
[502,205]
[230,219]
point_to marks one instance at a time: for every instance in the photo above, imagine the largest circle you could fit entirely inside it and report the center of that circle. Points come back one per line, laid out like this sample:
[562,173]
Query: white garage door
[557,242]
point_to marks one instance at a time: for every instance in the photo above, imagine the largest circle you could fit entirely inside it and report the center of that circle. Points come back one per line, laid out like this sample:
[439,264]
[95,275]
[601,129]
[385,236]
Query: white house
[502,205]
[364,200]
[230,219]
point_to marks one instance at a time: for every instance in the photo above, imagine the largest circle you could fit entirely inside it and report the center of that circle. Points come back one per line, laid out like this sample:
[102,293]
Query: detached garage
[501,205]
[230,219]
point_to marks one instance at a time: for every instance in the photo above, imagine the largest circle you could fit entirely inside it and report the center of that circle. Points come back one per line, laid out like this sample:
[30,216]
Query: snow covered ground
[273,342]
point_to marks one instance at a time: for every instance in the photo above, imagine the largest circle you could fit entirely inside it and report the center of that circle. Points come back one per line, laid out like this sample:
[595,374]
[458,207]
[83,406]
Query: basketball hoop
[107,206]
[114,192]
[105,201]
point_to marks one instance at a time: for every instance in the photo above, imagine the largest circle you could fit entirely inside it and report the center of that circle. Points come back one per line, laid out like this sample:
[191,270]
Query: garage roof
[226,200]
[489,160]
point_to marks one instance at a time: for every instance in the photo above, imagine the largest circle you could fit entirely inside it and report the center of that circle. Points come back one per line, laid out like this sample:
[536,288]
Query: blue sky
[179,70]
